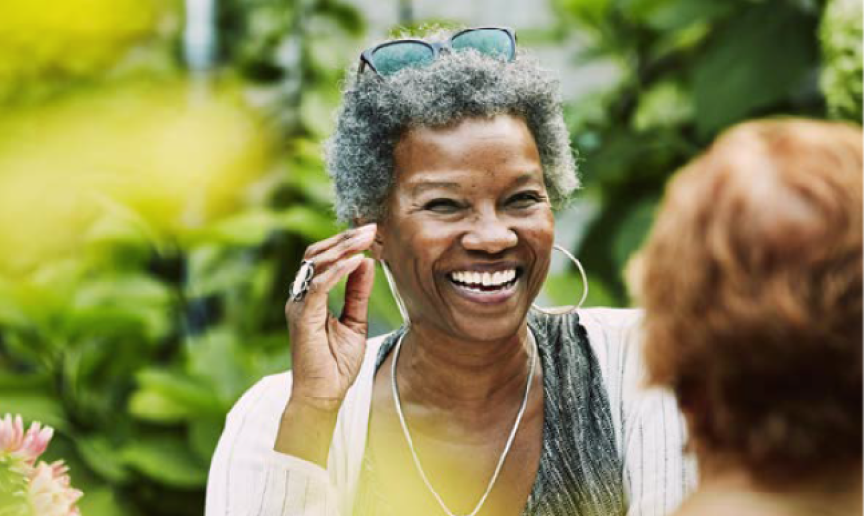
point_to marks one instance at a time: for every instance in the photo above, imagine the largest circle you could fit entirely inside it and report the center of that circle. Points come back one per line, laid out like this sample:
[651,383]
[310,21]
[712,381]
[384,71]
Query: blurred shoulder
[612,330]
[612,318]
[615,337]
[602,327]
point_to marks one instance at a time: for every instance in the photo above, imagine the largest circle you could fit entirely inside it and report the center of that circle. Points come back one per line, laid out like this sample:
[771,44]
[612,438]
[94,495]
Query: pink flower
[25,446]
[48,488]
[50,492]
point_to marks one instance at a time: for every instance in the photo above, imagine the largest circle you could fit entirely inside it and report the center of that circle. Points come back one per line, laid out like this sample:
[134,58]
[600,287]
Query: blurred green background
[161,174]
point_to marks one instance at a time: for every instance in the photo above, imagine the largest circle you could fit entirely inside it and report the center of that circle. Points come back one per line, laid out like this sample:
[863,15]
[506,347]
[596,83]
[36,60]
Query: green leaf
[166,460]
[166,397]
[665,104]
[624,156]
[316,112]
[841,37]
[588,12]
[633,230]
[673,15]
[34,406]
[347,16]
[309,223]
[759,59]
[101,502]
[102,457]
[217,359]
[326,46]
[13,490]
[11,313]
[249,228]
[156,407]
[12,382]
[120,224]
[565,289]
[306,172]
[204,436]
[213,269]
[120,303]
[252,227]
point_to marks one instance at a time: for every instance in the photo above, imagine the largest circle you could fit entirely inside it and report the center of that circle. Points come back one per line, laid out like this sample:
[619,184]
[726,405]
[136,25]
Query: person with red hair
[752,286]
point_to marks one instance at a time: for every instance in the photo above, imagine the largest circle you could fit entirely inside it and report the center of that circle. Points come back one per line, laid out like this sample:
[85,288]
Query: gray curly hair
[375,113]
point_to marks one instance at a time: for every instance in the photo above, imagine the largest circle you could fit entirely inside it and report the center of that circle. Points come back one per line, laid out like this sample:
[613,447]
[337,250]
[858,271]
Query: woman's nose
[490,235]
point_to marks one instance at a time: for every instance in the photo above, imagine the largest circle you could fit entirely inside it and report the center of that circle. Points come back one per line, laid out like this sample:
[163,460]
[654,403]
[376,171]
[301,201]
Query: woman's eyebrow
[419,187]
[527,177]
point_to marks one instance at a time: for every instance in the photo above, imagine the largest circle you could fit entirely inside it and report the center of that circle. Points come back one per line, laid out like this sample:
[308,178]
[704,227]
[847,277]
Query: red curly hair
[752,286]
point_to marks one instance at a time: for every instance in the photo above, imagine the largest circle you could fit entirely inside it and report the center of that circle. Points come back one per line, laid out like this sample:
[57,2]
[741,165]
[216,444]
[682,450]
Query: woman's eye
[442,205]
[524,200]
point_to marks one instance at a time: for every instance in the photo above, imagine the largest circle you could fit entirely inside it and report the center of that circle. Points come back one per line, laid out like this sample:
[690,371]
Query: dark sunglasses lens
[491,42]
[392,58]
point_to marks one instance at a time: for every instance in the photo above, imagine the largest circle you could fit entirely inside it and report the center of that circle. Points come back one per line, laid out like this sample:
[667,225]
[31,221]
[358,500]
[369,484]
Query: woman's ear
[377,249]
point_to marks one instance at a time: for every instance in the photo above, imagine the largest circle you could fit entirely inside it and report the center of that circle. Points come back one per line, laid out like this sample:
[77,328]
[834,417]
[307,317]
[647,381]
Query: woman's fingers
[315,302]
[357,292]
[331,249]
[344,249]
[333,259]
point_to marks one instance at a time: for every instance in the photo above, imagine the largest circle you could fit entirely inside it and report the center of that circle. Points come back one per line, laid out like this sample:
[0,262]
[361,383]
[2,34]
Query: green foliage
[841,35]
[13,489]
[136,341]
[688,70]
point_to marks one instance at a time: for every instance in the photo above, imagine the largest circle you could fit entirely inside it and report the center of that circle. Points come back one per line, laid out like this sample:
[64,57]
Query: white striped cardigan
[248,478]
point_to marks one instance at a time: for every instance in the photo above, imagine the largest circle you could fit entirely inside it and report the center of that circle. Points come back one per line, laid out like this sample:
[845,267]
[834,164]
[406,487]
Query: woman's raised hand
[327,351]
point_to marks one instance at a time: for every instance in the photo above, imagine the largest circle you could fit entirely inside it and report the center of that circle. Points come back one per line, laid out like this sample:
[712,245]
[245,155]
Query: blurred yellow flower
[52,39]
[172,160]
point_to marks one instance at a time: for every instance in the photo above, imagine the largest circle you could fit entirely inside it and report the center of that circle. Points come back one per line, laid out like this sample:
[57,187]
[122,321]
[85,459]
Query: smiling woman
[469,202]
[449,162]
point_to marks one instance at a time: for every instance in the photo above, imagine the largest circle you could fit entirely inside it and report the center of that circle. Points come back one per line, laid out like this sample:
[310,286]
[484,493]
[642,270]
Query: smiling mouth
[485,282]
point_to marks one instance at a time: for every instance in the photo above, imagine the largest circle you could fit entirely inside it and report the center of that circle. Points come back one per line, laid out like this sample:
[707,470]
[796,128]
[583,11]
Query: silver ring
[301,282]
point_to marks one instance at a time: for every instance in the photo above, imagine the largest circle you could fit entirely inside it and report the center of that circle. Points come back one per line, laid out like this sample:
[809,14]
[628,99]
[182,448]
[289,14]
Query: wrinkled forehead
[497,137]
[488,152]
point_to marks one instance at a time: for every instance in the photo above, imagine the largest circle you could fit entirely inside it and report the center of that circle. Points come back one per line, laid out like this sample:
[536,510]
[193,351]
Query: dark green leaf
[672,15]
[166,460]
[633,231]
[36,405]
[758,59]
[102,502]
[204,436]
[168,396]
[102,457]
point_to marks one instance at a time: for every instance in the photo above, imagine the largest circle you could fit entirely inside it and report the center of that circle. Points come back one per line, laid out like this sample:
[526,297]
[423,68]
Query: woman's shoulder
[612,331]
[610,318]
[615,337]
[607,337]
[610,338]
[605,329]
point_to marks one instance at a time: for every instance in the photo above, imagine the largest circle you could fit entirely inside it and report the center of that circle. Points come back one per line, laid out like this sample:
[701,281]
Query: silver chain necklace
[507,446]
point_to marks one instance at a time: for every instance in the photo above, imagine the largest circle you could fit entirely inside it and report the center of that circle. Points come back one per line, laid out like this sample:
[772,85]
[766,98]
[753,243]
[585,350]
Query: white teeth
[486,279]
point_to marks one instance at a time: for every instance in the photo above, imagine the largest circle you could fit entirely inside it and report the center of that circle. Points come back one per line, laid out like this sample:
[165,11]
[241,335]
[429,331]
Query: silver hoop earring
[395,292]
[561,310]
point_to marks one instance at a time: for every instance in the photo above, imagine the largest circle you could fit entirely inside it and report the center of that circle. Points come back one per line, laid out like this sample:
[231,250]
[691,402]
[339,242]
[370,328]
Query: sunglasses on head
[390,57]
